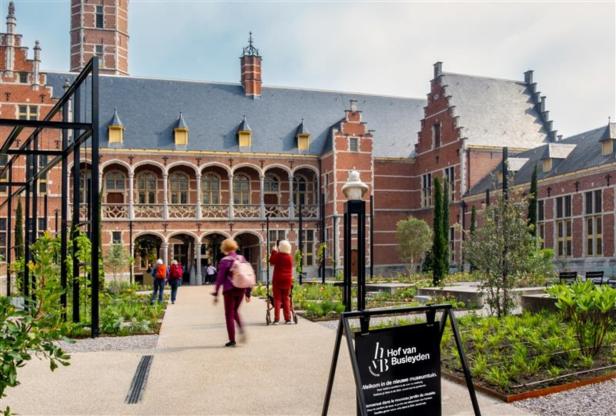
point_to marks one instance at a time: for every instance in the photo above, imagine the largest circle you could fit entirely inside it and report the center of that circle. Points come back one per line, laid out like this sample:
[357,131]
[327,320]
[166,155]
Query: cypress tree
[437,242]
[445,252]
[473,228]
[19,232]
[532,203]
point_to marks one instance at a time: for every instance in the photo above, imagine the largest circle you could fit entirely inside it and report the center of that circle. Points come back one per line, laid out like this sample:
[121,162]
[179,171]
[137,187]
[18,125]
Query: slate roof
[586,154]
[150,108]
[495,112]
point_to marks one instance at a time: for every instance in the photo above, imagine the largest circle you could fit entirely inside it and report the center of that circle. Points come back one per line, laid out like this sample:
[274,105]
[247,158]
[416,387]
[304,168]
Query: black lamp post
[267,249]
[354,190]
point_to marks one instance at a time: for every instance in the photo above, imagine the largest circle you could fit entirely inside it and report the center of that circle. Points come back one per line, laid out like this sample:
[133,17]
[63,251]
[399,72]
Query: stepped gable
[585,155]
[149,109]
[497,112]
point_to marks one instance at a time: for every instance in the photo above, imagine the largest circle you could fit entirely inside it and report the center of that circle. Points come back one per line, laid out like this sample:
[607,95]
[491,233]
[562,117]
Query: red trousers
[282,296]
[233,300]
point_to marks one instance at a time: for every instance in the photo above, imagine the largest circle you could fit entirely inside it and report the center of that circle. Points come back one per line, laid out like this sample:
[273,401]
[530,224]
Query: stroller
[270,306]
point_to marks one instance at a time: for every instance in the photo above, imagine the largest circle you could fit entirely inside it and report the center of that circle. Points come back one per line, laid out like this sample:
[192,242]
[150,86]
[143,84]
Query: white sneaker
[289,323]
[276,323]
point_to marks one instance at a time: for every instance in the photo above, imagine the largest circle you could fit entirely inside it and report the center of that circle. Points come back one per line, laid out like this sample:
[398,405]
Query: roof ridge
[239,85]
[517,81]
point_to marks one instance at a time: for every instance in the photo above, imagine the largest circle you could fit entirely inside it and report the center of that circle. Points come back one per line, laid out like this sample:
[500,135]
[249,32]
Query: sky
[376,47]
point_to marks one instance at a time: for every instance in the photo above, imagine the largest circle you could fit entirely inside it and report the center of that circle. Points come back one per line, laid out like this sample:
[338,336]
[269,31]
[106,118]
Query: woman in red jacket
[283,280]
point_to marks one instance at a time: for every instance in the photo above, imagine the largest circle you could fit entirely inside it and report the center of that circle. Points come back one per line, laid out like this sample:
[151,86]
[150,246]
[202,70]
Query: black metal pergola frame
[71,145]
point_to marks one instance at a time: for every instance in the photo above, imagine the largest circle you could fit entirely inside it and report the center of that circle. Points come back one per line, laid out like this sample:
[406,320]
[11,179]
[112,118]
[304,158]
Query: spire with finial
[11,20]
[250,50]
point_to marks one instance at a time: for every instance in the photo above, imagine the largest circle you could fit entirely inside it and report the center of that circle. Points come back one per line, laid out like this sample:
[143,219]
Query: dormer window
[244,135]
[180,132]
[115,129]
[607,139]
[558,151]
[303,137]
[547,165]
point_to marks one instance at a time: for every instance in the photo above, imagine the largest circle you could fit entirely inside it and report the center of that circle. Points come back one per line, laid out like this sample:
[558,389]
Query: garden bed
[517,357]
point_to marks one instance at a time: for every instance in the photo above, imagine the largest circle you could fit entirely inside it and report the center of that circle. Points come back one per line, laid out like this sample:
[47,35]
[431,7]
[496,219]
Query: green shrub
[590,309]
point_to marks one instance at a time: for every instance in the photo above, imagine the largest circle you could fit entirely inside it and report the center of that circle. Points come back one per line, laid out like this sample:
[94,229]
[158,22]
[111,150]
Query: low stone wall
[537,302]
[470,293]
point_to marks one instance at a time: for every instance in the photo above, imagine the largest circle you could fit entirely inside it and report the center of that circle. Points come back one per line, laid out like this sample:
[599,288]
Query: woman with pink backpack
[237,278]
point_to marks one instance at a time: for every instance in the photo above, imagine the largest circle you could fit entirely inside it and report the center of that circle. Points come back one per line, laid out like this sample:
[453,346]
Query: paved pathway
[281,370]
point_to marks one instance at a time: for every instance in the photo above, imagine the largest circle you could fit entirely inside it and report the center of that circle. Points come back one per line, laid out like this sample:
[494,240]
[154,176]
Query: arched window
[178,184]
[85,179]
[271,184]
[300,191]
[210,189]
[115,181]
[146,188]
[241,190]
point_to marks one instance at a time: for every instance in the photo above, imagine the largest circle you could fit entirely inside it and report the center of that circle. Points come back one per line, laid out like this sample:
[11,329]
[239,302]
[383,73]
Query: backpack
[161,271]
[176,271]
[242,274]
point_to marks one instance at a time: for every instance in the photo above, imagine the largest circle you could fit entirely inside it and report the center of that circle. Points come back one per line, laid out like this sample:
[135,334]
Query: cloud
[374,47]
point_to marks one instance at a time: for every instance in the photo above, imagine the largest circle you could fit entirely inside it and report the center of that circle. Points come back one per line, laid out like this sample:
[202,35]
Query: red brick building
[186,164]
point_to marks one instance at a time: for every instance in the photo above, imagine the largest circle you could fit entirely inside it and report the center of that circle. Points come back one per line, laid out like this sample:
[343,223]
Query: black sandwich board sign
[397,370]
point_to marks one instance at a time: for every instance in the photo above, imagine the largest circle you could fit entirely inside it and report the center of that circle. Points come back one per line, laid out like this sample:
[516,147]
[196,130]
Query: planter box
[470,293]
[537,303]
[514,397]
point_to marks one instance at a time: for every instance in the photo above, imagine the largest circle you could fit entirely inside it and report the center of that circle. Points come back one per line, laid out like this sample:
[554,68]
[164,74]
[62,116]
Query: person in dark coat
[232,295]
[282,281]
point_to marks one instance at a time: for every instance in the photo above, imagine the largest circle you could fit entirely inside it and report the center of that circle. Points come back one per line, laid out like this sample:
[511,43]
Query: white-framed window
[426,190]
[274,236]
[115,181]
[308,243]
[146,188]
[303,190]
[85,179]
[99,50]
[271,184]
[178,187]
[564,227]
[541,221]
[3,230]
[23,77]
[28,112]
[100,17]
[210,189]
[436,135]
[594,222]
[241,190]
[450,176]
[116,237]
[353,144]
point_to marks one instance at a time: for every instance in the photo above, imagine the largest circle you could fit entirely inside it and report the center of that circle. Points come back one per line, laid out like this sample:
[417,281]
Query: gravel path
[137,342]
[592,400]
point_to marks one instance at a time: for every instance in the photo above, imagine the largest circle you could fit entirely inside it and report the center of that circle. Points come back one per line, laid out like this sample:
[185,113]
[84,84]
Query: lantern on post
[354,190]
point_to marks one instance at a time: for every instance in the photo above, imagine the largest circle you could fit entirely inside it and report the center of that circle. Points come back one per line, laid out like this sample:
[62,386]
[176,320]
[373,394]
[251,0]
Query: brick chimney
[251,70]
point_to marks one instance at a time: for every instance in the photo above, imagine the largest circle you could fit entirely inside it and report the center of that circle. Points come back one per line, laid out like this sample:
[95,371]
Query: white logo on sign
[379,364]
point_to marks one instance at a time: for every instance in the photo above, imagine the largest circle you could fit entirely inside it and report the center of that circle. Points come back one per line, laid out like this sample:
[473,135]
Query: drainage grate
[139,380]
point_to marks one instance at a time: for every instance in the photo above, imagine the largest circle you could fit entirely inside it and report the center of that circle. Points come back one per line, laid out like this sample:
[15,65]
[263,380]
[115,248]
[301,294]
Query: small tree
[414,239]
[438,267]
[117,258]
[472,230]
[532,203]
[503,250]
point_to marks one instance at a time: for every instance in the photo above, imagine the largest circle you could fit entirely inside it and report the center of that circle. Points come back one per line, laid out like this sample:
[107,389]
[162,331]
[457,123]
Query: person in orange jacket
[283,280]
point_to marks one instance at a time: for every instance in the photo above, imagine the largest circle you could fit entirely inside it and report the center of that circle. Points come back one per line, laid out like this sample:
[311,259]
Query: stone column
[291,202]
[164,248]
[199,278]
[165,196]
[198,212]
[131,196]
[262,197]
[231,196]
